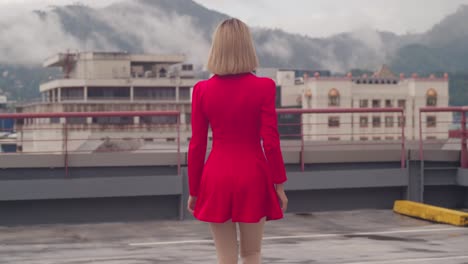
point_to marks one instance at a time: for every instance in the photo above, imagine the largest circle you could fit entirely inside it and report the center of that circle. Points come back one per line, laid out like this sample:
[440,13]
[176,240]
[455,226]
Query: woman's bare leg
[225,238]
[251,236]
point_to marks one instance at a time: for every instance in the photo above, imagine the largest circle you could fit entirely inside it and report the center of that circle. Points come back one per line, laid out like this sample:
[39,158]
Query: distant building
[111,81]
[7,135]
[383,89]
[289,84]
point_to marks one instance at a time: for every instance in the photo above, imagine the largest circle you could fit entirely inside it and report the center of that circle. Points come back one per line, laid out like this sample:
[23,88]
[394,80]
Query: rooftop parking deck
[365,236]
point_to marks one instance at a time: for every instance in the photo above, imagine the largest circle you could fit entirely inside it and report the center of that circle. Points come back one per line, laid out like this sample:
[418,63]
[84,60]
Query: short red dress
[237,180]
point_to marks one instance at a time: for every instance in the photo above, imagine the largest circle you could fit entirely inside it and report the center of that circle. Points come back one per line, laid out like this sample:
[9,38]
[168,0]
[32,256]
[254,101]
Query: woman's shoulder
[200,84]
[266,80]
[244,77]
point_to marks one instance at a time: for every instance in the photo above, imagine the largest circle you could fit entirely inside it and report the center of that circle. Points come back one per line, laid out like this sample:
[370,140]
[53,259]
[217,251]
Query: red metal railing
[461,133]
[357,132]
[32,122]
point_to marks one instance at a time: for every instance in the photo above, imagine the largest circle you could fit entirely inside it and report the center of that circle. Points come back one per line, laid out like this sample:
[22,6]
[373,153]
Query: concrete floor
[380,237]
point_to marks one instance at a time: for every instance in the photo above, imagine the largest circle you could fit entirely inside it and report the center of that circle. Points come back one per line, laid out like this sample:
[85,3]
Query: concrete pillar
[183,119]
[59,94]
[53,95]
[177,92]
[85,93]
[132,94]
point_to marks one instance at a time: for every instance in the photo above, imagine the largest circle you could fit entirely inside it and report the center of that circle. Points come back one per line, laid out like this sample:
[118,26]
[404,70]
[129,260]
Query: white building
[383,89]
[111,81]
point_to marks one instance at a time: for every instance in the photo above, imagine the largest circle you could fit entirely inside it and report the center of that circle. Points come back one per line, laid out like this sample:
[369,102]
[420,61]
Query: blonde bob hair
[232,50]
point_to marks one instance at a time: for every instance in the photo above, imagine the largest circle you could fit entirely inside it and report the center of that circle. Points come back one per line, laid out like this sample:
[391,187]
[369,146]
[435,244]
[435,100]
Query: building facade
[383,89]
[110,81]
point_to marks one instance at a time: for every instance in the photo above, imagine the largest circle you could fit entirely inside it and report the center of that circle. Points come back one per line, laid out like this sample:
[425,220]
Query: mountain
[183,26]
[442,48]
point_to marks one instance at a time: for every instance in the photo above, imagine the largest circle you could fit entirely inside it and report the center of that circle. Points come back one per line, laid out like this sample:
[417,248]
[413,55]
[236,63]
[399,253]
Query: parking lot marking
[311,236]
[414,260]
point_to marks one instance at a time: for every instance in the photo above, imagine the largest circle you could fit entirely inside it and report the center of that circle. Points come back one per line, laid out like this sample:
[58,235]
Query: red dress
[237,180]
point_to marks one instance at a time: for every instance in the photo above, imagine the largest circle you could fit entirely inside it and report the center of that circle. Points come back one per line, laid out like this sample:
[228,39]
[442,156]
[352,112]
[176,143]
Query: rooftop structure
[113,81]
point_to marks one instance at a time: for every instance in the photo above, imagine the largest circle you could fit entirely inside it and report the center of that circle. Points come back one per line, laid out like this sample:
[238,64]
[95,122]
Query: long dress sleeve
[270,136]
[198,142]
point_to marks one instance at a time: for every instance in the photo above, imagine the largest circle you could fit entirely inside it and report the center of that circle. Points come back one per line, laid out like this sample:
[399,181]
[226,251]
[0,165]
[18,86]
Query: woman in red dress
[241,182]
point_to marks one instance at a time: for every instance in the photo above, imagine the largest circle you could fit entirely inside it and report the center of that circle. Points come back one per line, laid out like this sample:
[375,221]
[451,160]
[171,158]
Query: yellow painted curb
[431,213]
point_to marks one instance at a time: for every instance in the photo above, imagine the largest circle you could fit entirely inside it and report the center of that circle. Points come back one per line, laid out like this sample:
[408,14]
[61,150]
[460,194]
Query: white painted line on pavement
[426,230]
[406,260]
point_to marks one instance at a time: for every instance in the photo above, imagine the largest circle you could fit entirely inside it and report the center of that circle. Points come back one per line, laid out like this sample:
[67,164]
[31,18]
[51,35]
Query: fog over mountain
[183,26]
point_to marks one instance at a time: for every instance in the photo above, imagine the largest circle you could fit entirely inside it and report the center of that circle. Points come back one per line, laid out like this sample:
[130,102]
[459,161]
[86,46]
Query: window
[159,120]
[108,93]
[55,120]
[363,121]
[76,120]
[389,138]
[401,121]
[188,118]
[113,120]
[72,94]
[187,67]
[431,138]
[431,121]
[402,104]
[376,103]
[334,121]
[363,103]
[389,121]
[388,103]
[376,121]
[184,93]
[160,93]
[376,138]
[333,139]
[333,98]
[431,97]
[364,138]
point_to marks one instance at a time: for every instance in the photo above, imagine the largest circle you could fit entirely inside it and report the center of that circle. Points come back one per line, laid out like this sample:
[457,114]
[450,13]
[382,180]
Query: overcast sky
[316,18]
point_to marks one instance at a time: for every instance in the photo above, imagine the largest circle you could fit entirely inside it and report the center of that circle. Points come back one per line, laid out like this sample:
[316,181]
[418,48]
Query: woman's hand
[191,203]
[282,196]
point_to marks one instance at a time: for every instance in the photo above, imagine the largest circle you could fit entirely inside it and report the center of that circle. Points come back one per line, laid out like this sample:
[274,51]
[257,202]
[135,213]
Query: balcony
[140,82]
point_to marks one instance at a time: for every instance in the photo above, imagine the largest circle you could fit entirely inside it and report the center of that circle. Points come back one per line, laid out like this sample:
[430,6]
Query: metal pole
[178,146]
[302,144]
[421,154]
[421,162]
[403,141]
[66,147]
[464,154]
